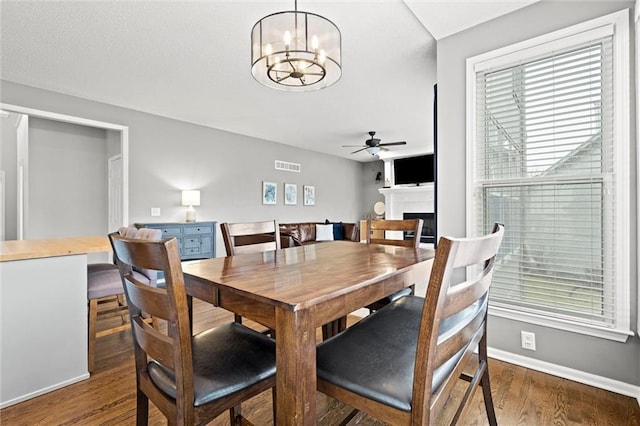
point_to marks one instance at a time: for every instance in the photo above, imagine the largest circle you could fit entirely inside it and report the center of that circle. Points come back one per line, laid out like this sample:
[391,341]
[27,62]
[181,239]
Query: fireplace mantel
[408,199]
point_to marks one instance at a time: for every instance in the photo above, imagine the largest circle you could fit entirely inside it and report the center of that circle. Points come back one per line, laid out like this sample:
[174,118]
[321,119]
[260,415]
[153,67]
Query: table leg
[296,368]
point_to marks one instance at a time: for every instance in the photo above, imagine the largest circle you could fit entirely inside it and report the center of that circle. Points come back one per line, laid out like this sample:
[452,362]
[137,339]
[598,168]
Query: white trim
[513,52]
[61,117]
[620,22]
[637,29]
[560,324]
[539,46]
[2,204]
[42,391]
[124,142]
[579,376]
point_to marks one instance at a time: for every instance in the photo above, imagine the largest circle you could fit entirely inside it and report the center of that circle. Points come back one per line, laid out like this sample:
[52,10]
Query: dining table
[296,290]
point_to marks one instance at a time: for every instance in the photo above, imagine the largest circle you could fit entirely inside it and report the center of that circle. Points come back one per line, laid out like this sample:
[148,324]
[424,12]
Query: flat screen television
[413,170]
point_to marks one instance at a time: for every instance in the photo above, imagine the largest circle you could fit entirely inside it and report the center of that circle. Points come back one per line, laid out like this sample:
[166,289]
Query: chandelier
[296,51]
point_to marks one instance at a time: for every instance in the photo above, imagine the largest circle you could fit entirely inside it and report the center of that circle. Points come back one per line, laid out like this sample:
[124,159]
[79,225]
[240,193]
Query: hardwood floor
[521,396]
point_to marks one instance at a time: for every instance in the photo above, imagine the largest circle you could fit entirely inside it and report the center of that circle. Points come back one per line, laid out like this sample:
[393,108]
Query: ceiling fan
[373,145]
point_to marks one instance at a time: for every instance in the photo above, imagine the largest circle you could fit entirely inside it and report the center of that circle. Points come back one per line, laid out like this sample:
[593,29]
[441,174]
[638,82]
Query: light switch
[155,211]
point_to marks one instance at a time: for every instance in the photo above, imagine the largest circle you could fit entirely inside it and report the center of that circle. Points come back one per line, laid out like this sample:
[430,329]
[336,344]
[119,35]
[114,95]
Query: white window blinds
[544,167]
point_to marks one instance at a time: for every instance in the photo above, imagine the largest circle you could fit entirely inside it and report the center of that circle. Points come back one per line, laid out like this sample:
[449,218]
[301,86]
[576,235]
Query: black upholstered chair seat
[226,359]
[375,358]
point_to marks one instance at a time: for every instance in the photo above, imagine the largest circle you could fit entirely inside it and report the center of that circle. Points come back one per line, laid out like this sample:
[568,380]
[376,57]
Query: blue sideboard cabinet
[197,240]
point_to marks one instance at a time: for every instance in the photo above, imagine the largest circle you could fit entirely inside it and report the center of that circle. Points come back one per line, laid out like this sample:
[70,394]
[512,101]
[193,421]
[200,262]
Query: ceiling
[191,61]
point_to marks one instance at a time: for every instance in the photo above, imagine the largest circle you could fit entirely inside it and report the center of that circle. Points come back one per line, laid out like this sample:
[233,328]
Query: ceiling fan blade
[382,148]
[393,143]
[362,149]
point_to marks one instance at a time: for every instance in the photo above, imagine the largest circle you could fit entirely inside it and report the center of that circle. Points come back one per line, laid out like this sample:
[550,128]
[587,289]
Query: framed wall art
[290,194]
[269,193]
[309,195]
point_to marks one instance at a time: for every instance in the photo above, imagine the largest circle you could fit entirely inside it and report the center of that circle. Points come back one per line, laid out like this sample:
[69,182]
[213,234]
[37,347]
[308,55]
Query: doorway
[116,204]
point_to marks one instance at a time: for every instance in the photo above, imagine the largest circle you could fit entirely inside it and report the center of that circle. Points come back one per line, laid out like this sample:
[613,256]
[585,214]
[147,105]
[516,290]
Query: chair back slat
[155,344]
[378,232]
[440,396]
[455,340]
[255,248]
[462,304]
[461,296]
[250,237]
[148,299]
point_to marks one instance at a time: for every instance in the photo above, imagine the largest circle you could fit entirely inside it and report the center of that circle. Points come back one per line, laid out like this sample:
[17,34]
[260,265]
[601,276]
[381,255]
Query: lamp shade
[190,198]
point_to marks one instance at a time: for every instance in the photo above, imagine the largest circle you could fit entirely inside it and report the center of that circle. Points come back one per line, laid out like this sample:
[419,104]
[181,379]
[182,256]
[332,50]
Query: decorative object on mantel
[269,193]
[309,195]
[191,198]
[378,209]
[296,51]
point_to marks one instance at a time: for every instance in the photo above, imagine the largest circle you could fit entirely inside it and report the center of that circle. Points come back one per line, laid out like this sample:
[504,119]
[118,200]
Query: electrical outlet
[528,340]
[155,211]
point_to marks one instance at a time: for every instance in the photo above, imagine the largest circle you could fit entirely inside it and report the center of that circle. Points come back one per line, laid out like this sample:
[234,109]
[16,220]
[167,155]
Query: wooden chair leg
[484,381]
[488,399]
[273,404]
[121,303]
[142,409]
[235,415]
[91,349]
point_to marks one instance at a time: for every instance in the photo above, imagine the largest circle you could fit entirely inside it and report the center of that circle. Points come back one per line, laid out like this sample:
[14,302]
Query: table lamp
[191,198]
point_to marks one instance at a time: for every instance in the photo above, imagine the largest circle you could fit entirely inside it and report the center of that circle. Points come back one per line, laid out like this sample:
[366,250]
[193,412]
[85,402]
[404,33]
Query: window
[548,147]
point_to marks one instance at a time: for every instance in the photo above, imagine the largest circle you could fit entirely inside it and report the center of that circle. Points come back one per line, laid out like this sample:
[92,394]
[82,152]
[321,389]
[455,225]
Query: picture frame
[269,193]
[290,194]
[309,195]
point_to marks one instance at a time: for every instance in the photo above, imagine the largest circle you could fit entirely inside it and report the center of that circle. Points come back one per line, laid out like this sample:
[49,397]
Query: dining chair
[256,237]
[250,237]
[105,294]
[395,232]
[191,379]
[400,363]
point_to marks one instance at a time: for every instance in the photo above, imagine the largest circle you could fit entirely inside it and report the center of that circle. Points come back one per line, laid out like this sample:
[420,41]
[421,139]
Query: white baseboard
[21,398]
[605,383]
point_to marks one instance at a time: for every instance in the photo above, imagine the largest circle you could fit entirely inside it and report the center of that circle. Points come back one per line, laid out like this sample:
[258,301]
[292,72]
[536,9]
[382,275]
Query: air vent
[288,167]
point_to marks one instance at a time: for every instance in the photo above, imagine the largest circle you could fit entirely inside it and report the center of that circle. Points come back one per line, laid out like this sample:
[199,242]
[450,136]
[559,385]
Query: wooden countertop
[33,249]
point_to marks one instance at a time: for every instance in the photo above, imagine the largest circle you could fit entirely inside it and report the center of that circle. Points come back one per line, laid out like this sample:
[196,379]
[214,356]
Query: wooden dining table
[296,290]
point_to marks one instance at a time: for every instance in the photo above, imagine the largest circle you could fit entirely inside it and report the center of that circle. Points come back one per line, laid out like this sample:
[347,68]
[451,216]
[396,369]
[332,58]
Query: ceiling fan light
[373,150]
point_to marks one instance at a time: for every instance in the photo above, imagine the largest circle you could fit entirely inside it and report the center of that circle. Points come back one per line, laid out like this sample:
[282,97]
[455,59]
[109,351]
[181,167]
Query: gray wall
[618,361]
[166,156]
[370,193]
[8,163]
[67,180]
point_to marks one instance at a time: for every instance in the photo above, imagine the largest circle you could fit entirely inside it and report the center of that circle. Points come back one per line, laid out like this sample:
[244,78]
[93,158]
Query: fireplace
[428,226]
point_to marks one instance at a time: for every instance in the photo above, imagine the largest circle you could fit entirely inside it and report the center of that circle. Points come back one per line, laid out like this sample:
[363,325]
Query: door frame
[124,143]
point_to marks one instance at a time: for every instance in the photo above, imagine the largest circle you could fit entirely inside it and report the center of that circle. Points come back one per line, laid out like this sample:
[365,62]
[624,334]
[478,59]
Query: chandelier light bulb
[268,49]
[322,57]
[314,42]
[287,39]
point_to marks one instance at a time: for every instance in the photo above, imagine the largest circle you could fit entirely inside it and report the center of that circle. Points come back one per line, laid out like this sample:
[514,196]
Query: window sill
[617,335]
